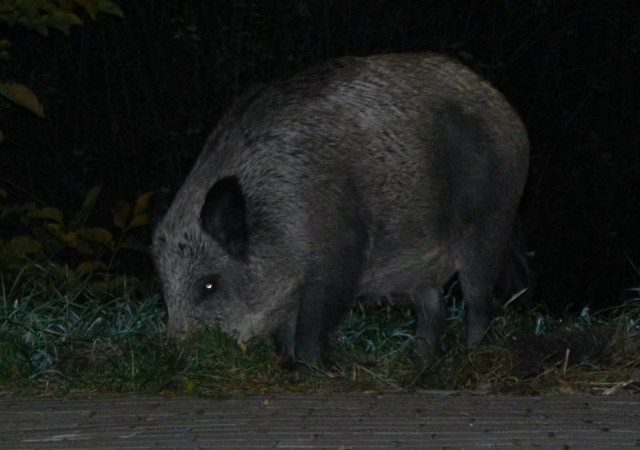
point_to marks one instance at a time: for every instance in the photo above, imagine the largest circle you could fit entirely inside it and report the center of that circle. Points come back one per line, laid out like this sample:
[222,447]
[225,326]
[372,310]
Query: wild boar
[372,176]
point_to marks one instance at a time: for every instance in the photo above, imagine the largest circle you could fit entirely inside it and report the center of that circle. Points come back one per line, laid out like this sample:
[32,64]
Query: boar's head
[211,274]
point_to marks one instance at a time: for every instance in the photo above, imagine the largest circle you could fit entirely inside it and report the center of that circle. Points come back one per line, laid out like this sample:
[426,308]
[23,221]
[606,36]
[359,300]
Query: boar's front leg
[327,294]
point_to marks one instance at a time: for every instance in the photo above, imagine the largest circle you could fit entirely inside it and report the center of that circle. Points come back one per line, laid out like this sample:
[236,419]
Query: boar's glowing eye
[208,287]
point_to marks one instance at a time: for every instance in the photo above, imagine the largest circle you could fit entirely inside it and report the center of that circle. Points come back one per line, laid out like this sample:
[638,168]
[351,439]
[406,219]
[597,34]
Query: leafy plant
[35,233]
[41,16]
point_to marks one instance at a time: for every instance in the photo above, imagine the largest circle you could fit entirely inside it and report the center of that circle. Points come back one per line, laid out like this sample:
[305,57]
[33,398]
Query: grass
[61,333]
[60,336]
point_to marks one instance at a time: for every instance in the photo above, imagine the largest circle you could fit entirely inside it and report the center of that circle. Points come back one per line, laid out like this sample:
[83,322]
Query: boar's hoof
[425,352]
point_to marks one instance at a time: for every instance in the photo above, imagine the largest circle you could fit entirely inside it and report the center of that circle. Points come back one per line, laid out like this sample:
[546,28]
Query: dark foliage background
[130,102]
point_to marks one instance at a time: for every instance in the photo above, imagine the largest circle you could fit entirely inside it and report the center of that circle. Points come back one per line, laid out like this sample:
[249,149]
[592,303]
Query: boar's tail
[515,284]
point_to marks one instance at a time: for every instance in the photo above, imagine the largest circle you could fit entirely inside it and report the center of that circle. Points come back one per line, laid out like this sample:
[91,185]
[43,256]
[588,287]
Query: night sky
[129,104]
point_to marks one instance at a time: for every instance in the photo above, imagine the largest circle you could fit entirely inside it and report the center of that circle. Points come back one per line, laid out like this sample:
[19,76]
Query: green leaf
[99,235]
[142,203]
[22,246]
[23,96]
[4,54]
[9,210]
[41,29]
[141,220]
[89,6]
[60,20]
[88,267]
[108,7]
[55,230]
[90,201]
[70,238]
[121,214]
[48,213]
[140,216]
[93,7]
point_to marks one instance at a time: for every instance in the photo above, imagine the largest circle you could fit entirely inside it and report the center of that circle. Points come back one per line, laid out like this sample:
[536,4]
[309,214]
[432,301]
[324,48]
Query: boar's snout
[176,331]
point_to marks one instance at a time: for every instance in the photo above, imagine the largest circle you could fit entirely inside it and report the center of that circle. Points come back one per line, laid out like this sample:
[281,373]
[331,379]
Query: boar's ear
[223,216]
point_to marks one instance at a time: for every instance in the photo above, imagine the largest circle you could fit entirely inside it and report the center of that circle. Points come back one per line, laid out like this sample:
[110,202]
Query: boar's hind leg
[430,314]
[285,337]
[478,298]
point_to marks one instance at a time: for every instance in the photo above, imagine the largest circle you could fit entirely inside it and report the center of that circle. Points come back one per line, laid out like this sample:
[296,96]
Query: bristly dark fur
[362,176]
